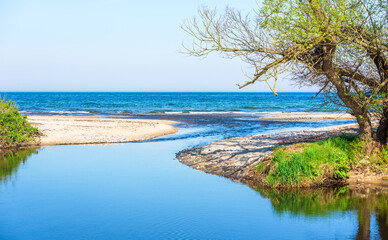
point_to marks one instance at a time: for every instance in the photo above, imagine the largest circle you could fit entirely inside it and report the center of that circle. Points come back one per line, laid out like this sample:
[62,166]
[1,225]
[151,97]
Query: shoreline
[236,158]
[67,130]
[90,129]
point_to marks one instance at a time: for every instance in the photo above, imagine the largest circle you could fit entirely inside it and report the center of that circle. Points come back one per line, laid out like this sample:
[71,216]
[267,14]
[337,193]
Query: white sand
[307,115]
[58,130]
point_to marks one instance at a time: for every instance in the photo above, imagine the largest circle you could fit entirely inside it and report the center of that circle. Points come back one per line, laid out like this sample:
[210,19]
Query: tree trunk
[382,130]
[383,225]
[361,114]
[363,232]
[365,129]
[365,126]
[359,111]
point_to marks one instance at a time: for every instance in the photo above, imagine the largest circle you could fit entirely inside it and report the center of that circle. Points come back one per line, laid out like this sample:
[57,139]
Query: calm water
[140,191]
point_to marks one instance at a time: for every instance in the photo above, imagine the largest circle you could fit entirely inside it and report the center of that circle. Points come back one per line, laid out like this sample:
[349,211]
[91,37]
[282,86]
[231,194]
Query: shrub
[14,127]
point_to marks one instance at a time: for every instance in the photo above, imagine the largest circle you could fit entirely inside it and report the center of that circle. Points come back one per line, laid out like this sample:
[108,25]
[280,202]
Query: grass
[308,164]
[14,127]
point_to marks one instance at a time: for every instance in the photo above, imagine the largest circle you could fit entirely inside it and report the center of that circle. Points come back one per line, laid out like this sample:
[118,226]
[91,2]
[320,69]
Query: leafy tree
[339,45]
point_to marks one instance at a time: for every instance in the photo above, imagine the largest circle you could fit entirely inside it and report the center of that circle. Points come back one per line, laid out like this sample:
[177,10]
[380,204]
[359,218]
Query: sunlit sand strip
[307,115]
[60,130]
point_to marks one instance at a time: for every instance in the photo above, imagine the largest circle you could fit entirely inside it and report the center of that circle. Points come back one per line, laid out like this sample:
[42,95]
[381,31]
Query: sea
[132,103]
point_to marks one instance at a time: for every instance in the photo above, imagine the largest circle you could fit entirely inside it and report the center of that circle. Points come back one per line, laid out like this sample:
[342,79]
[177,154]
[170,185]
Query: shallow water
[140,191]
[202,129]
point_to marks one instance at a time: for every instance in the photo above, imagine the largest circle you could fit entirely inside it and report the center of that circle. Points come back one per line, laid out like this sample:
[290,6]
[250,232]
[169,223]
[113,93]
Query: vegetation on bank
[370,205]
[15,130]
[325,201]
[11,160]
[320,163]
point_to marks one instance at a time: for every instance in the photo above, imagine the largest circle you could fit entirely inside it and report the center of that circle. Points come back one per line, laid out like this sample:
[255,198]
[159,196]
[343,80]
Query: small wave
[172,113]
[95,112]
[210,113]
[247,107]
[123,112]
[199,113]
[165,112]
[69,112]
[226,112]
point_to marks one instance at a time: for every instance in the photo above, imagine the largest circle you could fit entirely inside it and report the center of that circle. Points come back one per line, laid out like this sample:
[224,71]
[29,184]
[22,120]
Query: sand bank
[59,130]
[234,158]
[307,115]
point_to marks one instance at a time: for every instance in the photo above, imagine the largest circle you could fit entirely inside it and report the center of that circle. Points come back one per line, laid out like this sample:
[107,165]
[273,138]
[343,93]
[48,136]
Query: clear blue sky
[110,45]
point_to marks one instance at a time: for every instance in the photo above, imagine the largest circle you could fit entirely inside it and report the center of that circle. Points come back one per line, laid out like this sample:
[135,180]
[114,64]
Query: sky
[112,45]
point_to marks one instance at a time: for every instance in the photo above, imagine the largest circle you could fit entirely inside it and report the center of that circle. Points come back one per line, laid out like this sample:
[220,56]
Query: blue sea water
[122,103]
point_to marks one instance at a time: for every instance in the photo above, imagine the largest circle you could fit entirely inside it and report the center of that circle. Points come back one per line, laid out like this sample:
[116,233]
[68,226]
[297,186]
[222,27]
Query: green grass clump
[377,160]
[14,128]
[310,163]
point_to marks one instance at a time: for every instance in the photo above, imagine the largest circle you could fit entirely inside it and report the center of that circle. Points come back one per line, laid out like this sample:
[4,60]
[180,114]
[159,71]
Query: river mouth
[202,129]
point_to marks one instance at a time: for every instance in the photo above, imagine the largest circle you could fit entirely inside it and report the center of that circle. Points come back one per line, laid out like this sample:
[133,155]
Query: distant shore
[307,115]
[62,130]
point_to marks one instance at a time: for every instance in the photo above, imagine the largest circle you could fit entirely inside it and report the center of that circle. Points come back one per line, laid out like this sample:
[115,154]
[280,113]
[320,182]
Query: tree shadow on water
[325,202]
[10,161]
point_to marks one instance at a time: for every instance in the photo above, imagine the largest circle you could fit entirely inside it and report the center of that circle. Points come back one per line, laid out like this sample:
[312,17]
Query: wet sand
[60,130]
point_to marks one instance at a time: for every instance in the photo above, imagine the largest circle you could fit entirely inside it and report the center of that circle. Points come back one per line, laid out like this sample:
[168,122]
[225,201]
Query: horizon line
[5,92]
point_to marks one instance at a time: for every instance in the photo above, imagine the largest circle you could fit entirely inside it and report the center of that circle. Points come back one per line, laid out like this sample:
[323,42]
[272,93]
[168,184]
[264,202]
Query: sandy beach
[60,130]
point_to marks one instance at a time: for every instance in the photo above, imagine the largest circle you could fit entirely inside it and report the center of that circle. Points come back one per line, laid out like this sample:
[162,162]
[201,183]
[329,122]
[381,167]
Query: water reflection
[11,160]
[369,203]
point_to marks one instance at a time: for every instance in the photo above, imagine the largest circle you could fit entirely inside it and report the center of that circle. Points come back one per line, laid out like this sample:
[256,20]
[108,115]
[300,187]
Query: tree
[339,45]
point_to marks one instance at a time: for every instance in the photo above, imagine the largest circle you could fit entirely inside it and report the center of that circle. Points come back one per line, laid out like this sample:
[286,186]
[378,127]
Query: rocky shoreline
[235,158]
